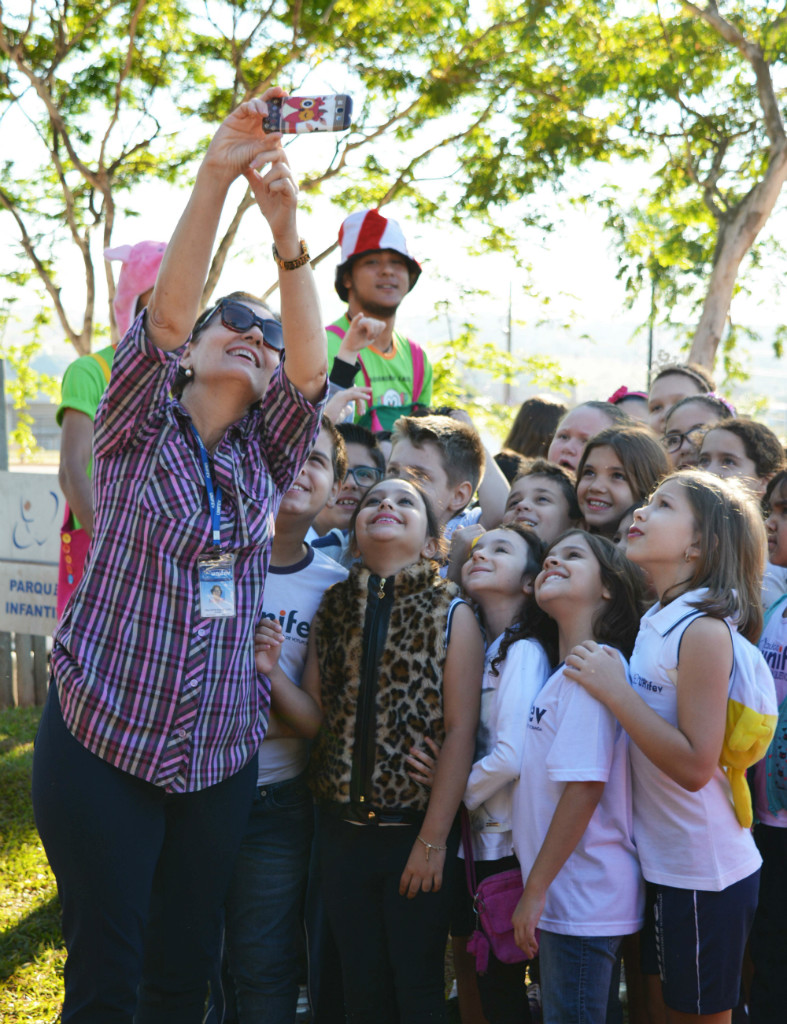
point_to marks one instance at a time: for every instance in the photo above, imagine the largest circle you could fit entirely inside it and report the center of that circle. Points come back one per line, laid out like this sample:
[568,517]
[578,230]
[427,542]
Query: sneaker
[303,1010]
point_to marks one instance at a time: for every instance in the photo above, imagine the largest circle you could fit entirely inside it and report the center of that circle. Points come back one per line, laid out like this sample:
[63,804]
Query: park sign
[31,507]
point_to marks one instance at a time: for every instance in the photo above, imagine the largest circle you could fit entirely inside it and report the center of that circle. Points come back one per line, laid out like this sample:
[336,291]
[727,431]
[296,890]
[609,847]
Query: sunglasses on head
[239,318]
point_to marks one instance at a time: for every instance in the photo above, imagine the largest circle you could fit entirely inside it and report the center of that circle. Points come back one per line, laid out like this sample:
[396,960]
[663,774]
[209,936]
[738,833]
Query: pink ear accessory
[138,273]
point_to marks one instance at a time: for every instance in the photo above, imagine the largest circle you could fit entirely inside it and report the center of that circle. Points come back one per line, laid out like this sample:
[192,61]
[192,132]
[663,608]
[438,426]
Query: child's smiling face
[538,502]
[392,514]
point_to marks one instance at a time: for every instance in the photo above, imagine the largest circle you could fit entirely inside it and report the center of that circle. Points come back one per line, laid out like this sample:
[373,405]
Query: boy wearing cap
[375,274]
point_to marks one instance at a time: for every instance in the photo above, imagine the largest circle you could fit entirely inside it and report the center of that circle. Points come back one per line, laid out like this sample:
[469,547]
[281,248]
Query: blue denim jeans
[264,906]
[576,971]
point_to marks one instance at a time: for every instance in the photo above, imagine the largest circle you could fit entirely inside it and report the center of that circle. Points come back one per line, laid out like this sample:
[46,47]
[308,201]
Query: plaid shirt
[145,682]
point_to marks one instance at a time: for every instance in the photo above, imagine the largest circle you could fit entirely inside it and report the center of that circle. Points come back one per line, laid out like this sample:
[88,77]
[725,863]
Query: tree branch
[57,122]
[127,64]
[224,246]
[752,52]
[43,273]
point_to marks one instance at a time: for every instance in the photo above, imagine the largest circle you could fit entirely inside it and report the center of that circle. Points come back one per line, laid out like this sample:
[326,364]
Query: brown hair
[711,402]
[642,457]
[732,550]
[617,623]
[339,452]
[760,443]
[534,427]
[693,371]
[460,447]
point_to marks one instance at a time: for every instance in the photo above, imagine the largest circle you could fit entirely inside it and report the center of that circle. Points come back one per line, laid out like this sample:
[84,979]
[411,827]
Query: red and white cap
[368,231]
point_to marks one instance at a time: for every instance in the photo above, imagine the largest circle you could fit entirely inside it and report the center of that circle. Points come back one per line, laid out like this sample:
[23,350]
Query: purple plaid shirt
[145,682]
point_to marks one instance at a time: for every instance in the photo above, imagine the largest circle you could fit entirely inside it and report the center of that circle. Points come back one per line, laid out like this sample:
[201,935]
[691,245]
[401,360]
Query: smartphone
[295,115]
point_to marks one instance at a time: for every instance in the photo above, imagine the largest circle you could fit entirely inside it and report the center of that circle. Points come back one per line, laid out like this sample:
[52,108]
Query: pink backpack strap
[417,354]
[375,424]
[336,330]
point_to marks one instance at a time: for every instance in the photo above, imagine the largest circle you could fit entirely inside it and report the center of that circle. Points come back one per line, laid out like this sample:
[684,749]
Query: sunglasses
[239,318]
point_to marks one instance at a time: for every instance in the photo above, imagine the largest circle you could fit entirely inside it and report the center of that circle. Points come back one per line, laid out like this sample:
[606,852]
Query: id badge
[216,585]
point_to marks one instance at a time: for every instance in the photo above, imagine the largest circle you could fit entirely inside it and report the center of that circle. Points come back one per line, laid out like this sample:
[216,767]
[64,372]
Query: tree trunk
[736,237]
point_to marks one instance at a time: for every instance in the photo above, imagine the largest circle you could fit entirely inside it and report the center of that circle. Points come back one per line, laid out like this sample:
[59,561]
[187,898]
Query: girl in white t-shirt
[701,540]
[572,805]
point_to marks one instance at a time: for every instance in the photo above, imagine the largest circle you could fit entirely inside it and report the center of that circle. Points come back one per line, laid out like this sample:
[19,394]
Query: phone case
[299,114]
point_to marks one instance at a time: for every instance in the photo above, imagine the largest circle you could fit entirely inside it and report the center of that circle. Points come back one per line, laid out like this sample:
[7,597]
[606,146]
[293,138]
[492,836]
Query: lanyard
[214,496]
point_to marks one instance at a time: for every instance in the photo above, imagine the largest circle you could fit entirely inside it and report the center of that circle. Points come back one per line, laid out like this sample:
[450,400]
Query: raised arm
[239,142]
[689,753]
[305,344]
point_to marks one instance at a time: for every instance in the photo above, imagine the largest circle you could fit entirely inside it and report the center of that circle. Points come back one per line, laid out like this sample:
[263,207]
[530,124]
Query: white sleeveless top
[685,840]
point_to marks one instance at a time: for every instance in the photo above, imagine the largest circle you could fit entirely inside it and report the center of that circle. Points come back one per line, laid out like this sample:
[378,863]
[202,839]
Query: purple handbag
[494,902]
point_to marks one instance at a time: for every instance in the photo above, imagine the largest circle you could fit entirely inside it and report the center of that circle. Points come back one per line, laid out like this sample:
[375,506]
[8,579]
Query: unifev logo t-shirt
[292,595]
[572,737]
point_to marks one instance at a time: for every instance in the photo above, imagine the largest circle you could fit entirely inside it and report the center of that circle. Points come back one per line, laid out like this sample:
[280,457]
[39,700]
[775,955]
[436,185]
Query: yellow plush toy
[747,736]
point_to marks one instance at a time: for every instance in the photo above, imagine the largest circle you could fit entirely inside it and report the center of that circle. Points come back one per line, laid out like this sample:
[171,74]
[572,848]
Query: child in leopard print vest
[394,657]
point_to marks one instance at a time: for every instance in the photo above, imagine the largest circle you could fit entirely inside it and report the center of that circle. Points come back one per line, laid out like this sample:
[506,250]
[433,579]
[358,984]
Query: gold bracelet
[293,264]
[430,847]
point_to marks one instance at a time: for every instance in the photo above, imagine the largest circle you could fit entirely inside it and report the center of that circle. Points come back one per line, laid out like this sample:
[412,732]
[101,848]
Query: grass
[31,948]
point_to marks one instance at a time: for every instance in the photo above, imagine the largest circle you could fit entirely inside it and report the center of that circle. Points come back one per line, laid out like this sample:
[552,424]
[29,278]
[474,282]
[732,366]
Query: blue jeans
[576,971]
[264,905]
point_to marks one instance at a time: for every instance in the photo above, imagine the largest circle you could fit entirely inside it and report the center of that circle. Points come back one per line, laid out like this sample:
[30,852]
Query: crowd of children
[607,586]
[548,639]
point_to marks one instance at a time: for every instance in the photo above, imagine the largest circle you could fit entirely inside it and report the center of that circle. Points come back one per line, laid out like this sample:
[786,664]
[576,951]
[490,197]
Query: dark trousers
[142,875]
[768,937]
[392,949]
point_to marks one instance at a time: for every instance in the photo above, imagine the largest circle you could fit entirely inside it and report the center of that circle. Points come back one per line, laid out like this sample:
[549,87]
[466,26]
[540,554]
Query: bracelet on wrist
[292,264]
[430,846]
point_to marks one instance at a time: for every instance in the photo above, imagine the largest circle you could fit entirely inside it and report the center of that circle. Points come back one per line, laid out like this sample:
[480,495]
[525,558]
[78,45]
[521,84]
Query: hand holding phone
[296,115]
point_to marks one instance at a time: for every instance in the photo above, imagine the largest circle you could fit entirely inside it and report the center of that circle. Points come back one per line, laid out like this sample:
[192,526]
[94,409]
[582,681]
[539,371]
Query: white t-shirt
[572,737]
[773,644]
[685,840]
[505,704]
[467,517]
[292,596]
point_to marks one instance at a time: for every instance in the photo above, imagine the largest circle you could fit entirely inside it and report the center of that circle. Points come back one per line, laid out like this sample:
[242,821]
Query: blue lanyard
[214,496]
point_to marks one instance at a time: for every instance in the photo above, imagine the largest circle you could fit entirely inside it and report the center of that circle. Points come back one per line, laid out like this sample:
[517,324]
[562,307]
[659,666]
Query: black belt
[365,814]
